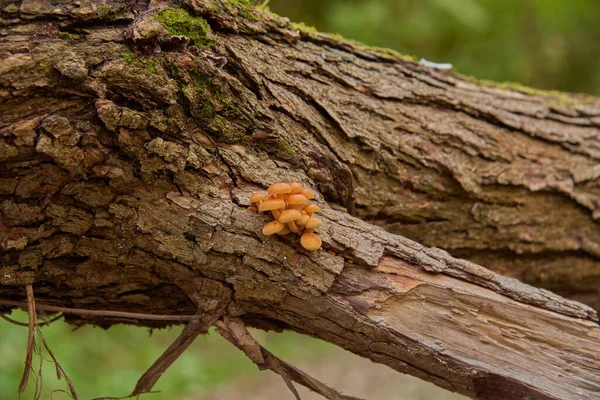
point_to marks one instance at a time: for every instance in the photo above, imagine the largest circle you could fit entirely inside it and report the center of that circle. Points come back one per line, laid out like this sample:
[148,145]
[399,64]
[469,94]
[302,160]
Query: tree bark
[129,153]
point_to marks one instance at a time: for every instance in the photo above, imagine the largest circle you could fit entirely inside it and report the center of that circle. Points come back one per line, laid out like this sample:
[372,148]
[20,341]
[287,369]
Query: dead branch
[103,313]
[234,330]
[187,336]
[44,323]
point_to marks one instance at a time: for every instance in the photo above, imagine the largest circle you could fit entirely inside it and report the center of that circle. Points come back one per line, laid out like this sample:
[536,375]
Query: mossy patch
[150,66]
[180,23]
[302,27]
[206,95]
[246,3]
[111,14]
[69,35]
[552,97]
[382,52]
[128,57]
[245,8]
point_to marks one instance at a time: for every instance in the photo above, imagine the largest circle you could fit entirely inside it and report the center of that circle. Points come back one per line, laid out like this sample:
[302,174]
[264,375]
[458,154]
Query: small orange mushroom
[296,200]
[288,217]
[303,220]
[272,205]
[255,199]
[288,205]
[279,189]
[310,241]
[309,194]
[296,187]
[311,208]
[313,223]
[273,227]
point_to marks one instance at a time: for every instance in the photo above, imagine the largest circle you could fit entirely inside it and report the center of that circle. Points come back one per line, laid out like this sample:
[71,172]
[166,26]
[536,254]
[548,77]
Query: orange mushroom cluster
[288,203]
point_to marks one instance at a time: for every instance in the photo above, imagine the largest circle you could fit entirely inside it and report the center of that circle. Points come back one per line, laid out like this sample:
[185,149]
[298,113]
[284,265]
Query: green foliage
[549,44]
[180,23]
[109,363]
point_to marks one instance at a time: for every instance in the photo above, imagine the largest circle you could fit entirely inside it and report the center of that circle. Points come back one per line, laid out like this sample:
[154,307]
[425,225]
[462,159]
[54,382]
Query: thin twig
[12,321]
[39,380]
[60,372]
[103,313]
[234,330]
[183,341]
[30,338]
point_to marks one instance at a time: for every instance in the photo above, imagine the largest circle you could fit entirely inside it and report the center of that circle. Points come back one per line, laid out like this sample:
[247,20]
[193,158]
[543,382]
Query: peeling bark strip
[130,142]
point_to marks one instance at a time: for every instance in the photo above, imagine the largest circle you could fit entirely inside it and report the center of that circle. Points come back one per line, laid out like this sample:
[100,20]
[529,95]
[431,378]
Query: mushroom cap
[271,204]
[279,188]
[297,199]
[310,208]
[310,241]
[303,220]
[309,194]
[256,197]
[273,227]
[290,215]
[313,223]
[296,187]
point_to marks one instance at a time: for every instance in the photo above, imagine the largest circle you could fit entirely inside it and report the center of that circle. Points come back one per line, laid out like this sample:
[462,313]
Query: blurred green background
[109,362]
[550,44]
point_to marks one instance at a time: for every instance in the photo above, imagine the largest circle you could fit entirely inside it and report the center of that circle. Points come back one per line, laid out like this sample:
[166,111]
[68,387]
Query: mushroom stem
[284,231]
[276,213]
[293,227]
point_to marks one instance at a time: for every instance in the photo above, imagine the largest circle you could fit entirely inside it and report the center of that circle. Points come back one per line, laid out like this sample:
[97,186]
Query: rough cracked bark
[131,135]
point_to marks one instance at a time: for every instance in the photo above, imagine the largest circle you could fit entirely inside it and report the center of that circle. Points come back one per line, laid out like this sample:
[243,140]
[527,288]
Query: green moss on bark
[180,23]
[111,14]
[128,57]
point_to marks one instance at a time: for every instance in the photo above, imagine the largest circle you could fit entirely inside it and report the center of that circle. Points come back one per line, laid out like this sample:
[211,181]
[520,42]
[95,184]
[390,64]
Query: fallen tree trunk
[132,136]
